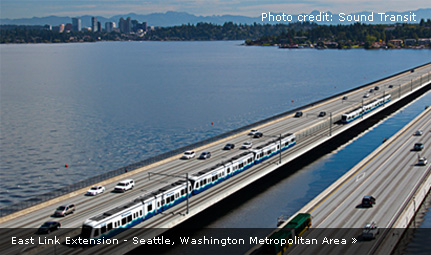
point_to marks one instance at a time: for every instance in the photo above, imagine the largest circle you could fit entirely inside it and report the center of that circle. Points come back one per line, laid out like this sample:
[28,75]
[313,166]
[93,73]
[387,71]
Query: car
[48,227]
[95,190]
[368,201]
[345,97]
[298,114]
[390,86]
[253,131]
[418,147]
[258,135]
[124,185]
[322,114]
[367,95]
[229,146]
[370,231]
[422,161]
[64,210]
[205,155]
[371,90]
[419,133]
[188,155]
[376,88]
[247,145]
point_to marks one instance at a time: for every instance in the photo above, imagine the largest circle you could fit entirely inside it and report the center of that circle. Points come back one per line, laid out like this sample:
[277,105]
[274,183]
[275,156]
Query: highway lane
[390,175]
[89,206]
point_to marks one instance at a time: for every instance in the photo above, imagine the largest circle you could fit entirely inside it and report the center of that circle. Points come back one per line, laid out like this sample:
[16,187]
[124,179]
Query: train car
[352,115]
[119,218]
[172,194]
[242,162]
[295,227]
[207,178]
[287,141]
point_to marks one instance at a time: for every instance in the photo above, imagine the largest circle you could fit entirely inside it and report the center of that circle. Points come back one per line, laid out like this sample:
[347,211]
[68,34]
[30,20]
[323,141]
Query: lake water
[100,106]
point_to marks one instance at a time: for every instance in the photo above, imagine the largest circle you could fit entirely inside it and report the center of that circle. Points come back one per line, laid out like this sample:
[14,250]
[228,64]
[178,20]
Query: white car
[188,155]
[95,190]
[422,161]
[247,145]
[124,185]
[367,95]
[253,131]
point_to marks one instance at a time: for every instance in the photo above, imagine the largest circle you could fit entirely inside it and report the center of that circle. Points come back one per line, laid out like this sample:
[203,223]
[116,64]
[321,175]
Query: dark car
[258,135]
[322,114]
[418,147]
[376,88]
[345,97]
[368,201]
[298,114]
[64,210]
[205,155]
[390,86]
[229,146]
[48,227]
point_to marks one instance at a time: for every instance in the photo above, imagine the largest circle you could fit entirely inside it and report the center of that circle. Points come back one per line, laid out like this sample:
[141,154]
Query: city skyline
[14,9]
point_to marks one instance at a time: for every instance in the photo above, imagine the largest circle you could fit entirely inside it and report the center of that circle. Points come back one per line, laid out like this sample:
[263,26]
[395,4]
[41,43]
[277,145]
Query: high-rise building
[128,27]
[109,26]
[76,24]
[99,26]
[94,24]
[121,25]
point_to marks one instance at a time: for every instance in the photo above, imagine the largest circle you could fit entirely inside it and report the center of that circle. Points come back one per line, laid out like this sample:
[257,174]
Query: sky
[14,9]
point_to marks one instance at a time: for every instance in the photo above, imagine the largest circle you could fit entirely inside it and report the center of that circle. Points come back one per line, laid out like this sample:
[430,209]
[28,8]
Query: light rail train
[358,112]
[112,222]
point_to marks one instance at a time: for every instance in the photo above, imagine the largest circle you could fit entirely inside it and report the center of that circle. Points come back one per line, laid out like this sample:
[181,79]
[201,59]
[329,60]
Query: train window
[240,165]
[140,212]
[124,221]
[190,188]
[158,204]
[197,185]
[118,223]
[103,230]
[228,170]
[129,218]
[109,226]
[149,208]
[96,232]
[172,198]
[163,201]
[177,195]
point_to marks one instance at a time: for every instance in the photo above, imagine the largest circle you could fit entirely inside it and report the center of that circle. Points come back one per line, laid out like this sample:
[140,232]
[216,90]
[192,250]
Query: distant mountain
[178,18]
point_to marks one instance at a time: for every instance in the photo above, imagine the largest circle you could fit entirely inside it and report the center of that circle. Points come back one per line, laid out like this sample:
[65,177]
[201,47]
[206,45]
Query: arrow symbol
[354,240]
